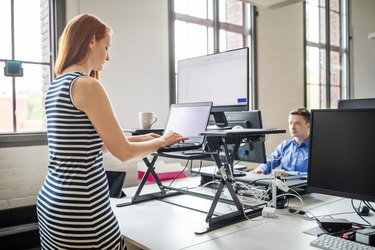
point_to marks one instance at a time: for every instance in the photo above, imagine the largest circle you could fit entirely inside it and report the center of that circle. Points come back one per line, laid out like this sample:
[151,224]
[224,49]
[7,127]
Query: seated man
[291,155]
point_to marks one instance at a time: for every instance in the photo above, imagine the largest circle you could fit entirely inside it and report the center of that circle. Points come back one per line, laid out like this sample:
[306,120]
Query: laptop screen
[189,119]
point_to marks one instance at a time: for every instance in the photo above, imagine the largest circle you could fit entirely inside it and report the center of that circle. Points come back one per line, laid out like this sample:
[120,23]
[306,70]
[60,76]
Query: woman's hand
[171,137]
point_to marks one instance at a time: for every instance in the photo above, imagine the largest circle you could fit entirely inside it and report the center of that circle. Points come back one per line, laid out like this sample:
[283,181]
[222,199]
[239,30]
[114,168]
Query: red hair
[75,39]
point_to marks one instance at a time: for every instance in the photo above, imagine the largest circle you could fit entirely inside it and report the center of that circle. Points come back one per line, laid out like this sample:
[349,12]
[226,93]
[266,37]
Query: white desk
[159,225]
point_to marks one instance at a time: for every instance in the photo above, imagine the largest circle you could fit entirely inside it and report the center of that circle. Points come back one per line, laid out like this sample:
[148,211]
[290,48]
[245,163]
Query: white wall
[136,78]
[363,49]
[280,66]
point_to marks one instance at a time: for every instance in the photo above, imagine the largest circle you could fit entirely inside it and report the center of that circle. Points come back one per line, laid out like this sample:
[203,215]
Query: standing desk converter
[215,140]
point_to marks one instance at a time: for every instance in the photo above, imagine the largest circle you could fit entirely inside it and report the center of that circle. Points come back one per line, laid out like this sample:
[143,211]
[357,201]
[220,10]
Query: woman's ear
[92,42]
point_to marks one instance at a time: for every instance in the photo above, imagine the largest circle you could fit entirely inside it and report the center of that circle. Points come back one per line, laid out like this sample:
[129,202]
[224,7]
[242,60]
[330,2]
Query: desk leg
[138,197]
[230,157]
[233,217]
[223,182]
[229,168]
[150,170]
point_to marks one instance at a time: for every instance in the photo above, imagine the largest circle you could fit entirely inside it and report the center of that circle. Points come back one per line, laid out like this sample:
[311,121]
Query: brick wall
[22,171]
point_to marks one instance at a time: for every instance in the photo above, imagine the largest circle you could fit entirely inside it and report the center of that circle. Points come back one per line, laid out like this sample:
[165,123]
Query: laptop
[190,120]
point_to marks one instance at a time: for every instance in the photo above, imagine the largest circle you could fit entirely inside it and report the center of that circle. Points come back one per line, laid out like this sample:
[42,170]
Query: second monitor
[254,150]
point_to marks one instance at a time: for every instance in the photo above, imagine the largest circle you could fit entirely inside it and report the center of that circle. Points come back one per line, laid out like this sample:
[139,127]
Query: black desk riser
[214,139]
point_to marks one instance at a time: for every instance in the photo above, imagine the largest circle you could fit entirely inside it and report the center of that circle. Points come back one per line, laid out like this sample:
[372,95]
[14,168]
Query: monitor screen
[189,119]
[222,78]
[341,153]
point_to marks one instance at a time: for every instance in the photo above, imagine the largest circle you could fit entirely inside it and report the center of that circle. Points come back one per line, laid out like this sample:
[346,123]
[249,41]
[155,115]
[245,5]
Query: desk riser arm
[224,182]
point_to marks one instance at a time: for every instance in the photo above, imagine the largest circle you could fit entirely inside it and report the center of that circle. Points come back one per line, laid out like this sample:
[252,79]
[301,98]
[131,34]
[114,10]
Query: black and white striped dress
[73,205]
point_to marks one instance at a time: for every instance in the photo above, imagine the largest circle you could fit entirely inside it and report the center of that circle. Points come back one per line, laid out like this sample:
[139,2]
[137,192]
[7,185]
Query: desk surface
[183,156]
[161,225]
[291,181]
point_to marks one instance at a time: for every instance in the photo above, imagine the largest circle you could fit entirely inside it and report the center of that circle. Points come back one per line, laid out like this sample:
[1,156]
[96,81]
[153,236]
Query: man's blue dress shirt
[291,157]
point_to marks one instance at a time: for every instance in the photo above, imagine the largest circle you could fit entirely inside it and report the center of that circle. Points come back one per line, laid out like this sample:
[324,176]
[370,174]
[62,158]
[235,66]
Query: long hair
[75,39]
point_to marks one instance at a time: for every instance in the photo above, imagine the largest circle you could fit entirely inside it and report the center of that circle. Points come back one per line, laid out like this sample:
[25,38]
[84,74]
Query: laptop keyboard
[181,145]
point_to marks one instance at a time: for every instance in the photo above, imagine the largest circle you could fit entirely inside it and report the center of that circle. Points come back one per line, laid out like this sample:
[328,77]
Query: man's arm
[272,162]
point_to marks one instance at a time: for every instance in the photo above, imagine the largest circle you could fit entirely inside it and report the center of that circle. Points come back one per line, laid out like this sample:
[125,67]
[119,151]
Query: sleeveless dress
[73,205]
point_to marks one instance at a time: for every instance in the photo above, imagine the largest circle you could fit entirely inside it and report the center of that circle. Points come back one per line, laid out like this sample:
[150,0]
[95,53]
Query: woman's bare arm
[89,96]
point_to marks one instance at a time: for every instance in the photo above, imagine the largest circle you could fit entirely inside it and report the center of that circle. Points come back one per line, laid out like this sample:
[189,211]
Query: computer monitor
[222,78]
[356,103]
[254,150]
[245,119]
[341,153]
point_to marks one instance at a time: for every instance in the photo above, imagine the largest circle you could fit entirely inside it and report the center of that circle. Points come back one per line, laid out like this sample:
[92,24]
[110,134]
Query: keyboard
[327,241]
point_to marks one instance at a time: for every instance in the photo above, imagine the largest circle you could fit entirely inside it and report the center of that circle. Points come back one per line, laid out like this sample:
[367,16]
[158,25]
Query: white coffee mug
[146,119]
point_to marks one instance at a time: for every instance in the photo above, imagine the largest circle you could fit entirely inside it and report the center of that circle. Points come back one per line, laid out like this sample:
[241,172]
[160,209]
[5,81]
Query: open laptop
[188,119]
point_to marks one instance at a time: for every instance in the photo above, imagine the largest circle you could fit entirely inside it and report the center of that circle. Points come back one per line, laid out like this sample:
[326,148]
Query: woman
[73,204]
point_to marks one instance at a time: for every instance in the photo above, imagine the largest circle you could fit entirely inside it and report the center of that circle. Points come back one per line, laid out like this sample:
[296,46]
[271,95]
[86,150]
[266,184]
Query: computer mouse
[363,210]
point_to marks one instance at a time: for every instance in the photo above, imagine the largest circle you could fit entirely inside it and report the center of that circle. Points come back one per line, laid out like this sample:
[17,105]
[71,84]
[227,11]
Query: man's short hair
[302,112]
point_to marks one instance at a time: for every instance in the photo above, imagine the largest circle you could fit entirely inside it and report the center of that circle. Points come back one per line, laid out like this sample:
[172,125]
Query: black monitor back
[246,119]
[356,103]
[254,151]
[341,151]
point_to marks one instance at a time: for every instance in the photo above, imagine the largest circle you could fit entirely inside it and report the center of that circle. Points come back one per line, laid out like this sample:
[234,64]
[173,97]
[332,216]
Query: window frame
[215,24]
[328,47]
[57,22]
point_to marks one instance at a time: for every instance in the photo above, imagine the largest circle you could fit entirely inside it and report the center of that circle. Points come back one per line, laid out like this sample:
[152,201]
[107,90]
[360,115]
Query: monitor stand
[220,119]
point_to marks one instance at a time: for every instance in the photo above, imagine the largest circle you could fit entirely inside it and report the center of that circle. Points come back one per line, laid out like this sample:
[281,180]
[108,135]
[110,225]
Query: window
[202,27]
[326,53]
[27,36]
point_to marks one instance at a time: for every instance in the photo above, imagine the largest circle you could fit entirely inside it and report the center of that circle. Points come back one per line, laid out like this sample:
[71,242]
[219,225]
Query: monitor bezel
[224,108]
[356,103]
[334,192]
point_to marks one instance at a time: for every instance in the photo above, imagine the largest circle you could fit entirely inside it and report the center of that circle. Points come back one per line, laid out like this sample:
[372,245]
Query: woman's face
[99,52]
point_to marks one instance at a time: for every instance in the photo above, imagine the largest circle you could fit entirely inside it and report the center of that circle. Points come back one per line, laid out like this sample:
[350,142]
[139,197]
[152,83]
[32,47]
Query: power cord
[198,172]
[183,170]
[357,212]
